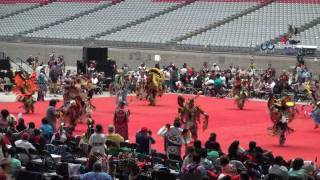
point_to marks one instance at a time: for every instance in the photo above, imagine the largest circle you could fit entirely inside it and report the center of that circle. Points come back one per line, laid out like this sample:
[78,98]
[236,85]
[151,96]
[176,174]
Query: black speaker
[100,56]
[81,67]
[97,54]
[5,64]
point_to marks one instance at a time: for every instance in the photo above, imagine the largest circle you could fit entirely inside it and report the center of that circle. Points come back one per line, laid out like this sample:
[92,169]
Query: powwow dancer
[315,114]
[121,119]
[25,88]
[77,105]
[154,85]
[282,112]
[241,92]
[141,84]
[190,116]
[174,138]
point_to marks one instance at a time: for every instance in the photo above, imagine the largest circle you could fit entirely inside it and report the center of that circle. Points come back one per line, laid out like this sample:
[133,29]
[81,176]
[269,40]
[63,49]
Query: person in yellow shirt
[114,137]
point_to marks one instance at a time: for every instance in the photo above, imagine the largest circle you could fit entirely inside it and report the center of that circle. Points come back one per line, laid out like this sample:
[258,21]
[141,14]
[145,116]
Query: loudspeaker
[5,64]
[81,67]
[100,55]
[97,54]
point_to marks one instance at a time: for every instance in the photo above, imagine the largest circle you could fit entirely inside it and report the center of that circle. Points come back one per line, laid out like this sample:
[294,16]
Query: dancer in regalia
[154,85]
[190,116]
[77,105]
[315,114]
[282,112]
[25,88]
[241,92]
[121,119]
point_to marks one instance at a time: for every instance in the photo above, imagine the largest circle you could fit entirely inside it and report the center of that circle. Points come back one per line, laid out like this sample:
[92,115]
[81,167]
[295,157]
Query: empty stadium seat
[102,20]
[258,27]
[41,16]
[179,22]
[9,8]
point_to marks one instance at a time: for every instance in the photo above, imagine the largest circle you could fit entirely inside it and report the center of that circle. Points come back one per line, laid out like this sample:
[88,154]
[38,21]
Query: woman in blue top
[46,128]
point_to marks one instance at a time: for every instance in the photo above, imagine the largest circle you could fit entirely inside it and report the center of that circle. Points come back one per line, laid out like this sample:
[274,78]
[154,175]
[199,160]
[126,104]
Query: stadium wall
[134,57]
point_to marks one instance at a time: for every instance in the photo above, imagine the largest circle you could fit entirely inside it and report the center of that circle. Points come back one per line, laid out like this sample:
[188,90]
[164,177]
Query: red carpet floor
[225,119]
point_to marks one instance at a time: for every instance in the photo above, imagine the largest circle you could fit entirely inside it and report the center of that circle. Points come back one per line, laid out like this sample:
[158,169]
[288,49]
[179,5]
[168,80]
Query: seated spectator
[3,118]
[7,84]
[212,153]
[278,168]
[24,142]
[195,167]
[197,146]
[188,157]
[204,159]
[235,152]
[97,141]
[8,138]
[296,170]
[31,128]
[16,163]
[252,150]
[11,124]
[46,128]
[3,148]
[212,138]
[144,140]
[97,174]
[39,139]
[226,167]
[56,139]
[114,137]
[6,167]
[21,125]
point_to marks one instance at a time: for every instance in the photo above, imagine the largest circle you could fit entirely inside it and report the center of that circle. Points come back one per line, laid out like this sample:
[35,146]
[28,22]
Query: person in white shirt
[184,70]
[215,67]
[38,69]
[97,141]
[24,143]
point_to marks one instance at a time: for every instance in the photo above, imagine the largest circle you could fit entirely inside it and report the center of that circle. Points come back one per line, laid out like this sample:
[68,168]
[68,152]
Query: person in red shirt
[121,119]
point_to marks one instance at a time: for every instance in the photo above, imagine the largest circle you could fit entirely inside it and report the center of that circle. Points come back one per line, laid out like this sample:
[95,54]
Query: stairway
[219,23]
[75,16]
[20,64]
[141,20]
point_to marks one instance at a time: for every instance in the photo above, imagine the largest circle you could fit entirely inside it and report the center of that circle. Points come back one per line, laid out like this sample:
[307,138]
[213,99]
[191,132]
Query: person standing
[42,85]
[51,114]
[97,141]
[54,76]
[114,137]
[315,114]
[174,139]
[121,119]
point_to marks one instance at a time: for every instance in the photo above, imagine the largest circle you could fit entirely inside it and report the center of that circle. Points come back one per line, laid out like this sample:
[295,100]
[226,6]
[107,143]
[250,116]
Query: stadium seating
[105,19]
[179,22]
[9,8]
[216,23]
[311,36]
[257,27]
[23,1]
[41,16]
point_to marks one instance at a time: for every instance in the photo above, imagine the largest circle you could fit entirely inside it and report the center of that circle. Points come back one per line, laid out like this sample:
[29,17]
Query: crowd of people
[214,81]
[27,150]
[111,156]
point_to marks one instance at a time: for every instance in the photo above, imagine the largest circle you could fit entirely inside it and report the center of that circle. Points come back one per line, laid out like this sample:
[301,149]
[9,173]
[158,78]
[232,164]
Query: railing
[254,49]
[21,64]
